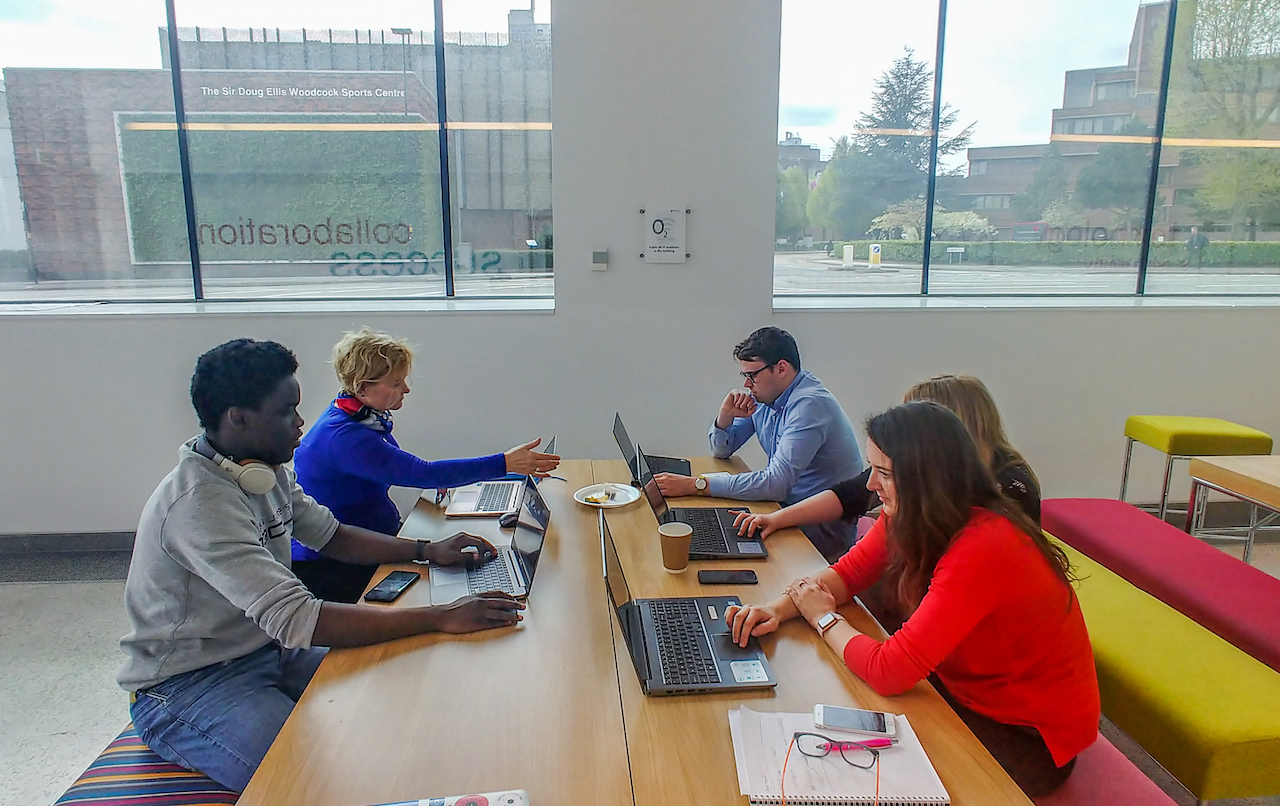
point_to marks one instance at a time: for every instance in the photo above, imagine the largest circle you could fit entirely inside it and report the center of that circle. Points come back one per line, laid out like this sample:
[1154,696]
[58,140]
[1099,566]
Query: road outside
[795,274]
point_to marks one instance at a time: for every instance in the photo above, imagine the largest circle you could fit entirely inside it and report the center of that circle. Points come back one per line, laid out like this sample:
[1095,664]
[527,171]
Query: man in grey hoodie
[224,637]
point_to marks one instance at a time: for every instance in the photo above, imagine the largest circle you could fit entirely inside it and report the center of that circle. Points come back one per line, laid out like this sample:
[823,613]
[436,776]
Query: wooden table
[679,746]
[1252,479]
[543,707]
[534,707]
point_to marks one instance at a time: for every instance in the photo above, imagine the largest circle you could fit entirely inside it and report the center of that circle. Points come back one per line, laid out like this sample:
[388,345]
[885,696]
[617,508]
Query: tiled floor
[61,704]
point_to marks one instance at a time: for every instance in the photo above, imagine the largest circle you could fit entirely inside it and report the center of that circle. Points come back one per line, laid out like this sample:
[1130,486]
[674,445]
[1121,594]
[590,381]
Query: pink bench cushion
[1226,596]
[1103,777]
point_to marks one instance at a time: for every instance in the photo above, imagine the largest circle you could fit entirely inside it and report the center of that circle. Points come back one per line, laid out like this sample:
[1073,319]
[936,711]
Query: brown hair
[969,398]
[939,479]
[366,356]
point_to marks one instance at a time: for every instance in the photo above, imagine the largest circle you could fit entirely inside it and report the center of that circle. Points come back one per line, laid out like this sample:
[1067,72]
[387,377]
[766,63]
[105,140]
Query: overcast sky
[1003,66]
[1004,62]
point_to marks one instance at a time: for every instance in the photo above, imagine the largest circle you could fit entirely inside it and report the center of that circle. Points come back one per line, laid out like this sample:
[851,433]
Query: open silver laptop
[513,569]
[489,499]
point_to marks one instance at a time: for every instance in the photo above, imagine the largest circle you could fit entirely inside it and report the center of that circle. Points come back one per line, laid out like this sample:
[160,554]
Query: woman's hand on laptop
[746,621]
[749,523]
[484,611]
[523,459]
[461,549]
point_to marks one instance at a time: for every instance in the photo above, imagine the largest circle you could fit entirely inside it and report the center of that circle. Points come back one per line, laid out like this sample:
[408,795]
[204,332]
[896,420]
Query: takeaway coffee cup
[675,539]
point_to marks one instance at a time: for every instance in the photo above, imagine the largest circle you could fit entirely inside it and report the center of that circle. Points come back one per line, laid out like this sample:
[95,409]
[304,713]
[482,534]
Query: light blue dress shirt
[810,444]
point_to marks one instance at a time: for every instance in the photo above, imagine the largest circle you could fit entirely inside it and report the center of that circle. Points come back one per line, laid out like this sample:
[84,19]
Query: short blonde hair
[367,356]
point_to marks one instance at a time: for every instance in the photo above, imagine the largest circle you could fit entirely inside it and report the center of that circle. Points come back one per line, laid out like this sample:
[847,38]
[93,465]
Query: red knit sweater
[997,626]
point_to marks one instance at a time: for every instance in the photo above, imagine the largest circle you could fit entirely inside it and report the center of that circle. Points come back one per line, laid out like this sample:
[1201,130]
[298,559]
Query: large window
[317,153]
[855,117]
[1044,181]
[1221,135]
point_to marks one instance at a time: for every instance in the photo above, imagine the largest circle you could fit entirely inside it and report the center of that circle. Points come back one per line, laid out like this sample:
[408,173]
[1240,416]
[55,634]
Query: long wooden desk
[554,706]
[680,749]
[533,707]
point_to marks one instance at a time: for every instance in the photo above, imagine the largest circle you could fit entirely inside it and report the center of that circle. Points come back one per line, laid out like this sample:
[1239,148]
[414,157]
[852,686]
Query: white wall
[658,102]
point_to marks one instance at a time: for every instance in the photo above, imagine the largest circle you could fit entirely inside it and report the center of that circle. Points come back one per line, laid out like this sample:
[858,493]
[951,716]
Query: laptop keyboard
[492,576]
[666,464]
[708,537]
[683,650]
[493,498]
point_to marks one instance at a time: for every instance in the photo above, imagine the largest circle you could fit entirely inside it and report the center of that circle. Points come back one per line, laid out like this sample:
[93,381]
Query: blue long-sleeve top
[807,437]
[350,467]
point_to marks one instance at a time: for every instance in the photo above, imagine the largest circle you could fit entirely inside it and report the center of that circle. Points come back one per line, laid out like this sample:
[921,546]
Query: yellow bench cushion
[1196,436]
[1204,709]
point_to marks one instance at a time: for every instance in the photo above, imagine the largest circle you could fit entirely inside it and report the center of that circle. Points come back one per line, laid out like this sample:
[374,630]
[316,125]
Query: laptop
[681,646]
[660,464]
[489,499]
[714,535]
[513,569]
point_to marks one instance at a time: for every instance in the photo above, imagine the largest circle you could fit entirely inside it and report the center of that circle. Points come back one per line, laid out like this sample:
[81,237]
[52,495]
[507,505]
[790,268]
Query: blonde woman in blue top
[349,460]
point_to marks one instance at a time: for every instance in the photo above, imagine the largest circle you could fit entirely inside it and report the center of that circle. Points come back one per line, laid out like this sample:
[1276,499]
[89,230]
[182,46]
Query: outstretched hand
[523,459]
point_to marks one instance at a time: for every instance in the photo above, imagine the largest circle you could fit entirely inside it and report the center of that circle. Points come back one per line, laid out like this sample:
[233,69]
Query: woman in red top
[993,618]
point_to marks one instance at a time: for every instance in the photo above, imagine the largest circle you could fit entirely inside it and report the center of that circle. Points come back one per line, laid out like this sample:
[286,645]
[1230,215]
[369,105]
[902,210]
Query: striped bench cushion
[128,773]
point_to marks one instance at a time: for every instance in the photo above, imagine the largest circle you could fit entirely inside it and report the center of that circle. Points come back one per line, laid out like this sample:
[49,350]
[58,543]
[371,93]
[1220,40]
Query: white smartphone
[833,717]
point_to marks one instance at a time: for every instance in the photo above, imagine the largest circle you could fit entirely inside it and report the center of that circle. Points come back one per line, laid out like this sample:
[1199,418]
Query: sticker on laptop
[750,548]
[748,671]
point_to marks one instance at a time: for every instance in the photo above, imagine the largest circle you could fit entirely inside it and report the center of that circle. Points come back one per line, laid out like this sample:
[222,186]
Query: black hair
[770,345]
[241,373]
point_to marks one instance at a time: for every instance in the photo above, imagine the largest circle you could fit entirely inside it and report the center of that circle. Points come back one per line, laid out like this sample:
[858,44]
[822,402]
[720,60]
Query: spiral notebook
[760,743]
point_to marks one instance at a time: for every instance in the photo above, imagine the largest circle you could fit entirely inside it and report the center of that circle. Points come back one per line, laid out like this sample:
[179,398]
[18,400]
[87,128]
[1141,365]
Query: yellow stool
[1188,437]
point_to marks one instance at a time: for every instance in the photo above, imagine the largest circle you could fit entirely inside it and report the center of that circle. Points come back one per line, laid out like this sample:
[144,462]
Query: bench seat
[1223,594]
[128,773]
[1204,709]
[1104,777]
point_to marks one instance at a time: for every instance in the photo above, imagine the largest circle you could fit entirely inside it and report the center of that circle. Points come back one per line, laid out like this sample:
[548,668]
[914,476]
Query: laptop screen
[531,529]
[628,617]
[625,444]
[657,502]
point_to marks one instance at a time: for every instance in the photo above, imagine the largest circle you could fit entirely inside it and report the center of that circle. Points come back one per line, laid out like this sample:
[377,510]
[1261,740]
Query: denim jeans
[221,719]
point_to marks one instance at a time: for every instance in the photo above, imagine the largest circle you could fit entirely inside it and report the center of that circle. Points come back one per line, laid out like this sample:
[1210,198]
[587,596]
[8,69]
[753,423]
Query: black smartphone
[712,577]
[391,586]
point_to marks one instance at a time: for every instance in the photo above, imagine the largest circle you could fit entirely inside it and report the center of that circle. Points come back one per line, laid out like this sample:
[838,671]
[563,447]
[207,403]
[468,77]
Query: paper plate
[622,494]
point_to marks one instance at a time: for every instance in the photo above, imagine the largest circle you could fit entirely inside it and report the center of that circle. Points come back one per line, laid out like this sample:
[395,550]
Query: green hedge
[1100,254]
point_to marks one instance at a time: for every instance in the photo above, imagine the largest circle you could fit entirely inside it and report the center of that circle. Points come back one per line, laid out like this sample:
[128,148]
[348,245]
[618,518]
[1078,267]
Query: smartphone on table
[391,586]
[711,576]
[854,720]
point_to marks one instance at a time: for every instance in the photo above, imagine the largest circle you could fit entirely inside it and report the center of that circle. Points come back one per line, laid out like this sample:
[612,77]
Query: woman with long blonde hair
[849,500]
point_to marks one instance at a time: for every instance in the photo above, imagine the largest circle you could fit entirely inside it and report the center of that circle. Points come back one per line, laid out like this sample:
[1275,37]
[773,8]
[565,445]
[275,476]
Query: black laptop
[681,646]
[714,535]
[660,464]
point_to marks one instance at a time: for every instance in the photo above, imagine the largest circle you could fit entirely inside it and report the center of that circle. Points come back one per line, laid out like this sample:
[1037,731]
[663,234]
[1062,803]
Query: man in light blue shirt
[806,435]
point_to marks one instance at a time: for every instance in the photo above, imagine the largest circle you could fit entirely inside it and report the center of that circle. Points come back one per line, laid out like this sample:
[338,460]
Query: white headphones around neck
[254,477]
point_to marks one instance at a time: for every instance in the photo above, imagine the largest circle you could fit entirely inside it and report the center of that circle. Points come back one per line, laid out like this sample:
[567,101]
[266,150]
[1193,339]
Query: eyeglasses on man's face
[815,745]
[750,375]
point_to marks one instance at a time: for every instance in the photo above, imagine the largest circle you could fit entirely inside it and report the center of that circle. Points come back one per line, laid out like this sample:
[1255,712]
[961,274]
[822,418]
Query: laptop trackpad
[725,649]
[447,584]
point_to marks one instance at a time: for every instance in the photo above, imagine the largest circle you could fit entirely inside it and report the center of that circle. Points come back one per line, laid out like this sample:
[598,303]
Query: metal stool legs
[1124,478]
[1163,507]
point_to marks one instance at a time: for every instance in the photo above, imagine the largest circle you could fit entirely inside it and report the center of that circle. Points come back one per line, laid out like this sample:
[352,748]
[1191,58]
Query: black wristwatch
[421,550]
